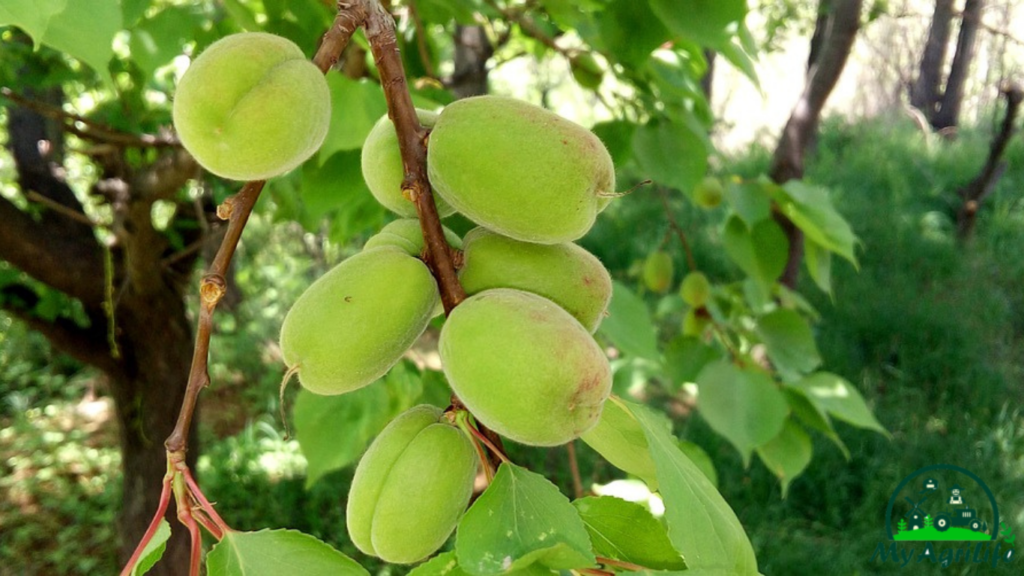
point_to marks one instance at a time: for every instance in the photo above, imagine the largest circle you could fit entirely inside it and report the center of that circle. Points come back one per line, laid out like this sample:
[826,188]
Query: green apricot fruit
[518,169]
[586,70]
[695,289]
[564,273]
[524,367]
[355,322]
[411,487]
[658,270]
[406,235]
[382,167]
[251,106]
[708,193]
[695,322]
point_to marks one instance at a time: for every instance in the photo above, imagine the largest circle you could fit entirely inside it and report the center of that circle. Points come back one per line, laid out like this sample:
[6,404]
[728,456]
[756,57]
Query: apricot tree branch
[412,142]
[94,131]
[236,210]
[690,261]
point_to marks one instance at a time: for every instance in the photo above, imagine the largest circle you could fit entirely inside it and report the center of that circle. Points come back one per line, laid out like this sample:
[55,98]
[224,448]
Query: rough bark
[788,161]
[58,247]
[707,81]
[948,113]
[472,50]
[924,93]
[975,192]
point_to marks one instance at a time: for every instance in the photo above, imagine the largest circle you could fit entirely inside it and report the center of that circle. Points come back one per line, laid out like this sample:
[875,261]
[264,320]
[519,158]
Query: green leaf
[277,552]
[132,10]
[703,21]
[356,105]
[334,430]
[153,550]
[761,252]
[700,459]
[749,201]
[701,525]
[156,41]
[619,438]
[32,16]
[838,397]
[626,531]
[628,325]
[447,564]
[810,208]
[789,340]
[814,417]
[685,357]
[745,406]
[617,136]
[519,520]
[86,31]
[788,454]
[741,59]
[630,31]
[670,153]
[819,264]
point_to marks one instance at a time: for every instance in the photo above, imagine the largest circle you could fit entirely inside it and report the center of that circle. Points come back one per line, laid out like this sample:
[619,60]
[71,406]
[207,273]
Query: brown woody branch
[975,192]
[93,131]
[85,344]
[412,142]
[237,210]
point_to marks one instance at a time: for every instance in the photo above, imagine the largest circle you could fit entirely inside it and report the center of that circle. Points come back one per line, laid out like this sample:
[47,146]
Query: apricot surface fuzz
[251,107]
[354,323]
[524,367]
[411,487]
[564,273]
[519,169]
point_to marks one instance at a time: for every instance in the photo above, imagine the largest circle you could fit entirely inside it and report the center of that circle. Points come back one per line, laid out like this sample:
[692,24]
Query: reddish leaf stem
[203,502]
[154,525]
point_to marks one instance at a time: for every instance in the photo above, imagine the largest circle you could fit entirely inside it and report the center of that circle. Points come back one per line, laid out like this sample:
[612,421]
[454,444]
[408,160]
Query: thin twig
[61,209]
[421,39]
[690,261]
[95,131]
[237,208]
[574,468]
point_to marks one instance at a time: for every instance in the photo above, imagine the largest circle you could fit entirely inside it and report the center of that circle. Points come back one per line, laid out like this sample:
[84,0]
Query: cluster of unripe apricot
[518,352]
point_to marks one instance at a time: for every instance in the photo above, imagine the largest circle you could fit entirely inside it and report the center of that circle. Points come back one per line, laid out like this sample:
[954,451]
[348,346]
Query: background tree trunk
[148,374]
[948,113]
[472,51]
[834,35]
[924,93]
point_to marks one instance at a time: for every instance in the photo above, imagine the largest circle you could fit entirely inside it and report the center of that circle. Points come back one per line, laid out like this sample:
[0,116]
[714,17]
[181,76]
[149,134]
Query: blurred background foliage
[929,329]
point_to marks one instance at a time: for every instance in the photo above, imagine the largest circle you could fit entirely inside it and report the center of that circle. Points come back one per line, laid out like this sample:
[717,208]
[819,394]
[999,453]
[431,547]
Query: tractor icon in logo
[939,508]
[960,517]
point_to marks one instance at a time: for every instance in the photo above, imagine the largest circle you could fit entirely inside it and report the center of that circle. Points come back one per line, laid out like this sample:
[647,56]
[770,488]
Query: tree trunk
[835,43]
[148,396]
[472,50]
[975,192]
[148,376]
[948,113]
[924,93]
[707,81]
